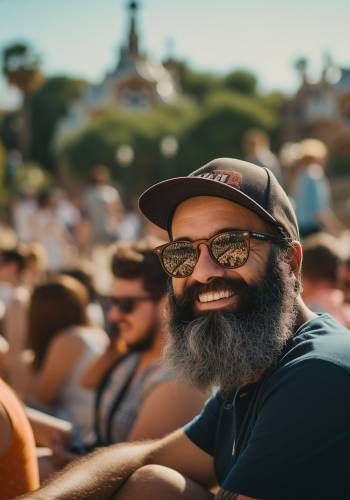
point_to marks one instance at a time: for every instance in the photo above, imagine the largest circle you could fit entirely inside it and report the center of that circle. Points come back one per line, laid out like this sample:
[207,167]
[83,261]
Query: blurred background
[125,93]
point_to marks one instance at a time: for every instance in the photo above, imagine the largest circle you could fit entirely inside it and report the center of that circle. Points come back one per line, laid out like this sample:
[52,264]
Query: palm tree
[21,67]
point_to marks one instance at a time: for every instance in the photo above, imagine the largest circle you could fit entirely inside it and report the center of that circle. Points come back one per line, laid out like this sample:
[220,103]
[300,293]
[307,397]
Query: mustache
[235,285]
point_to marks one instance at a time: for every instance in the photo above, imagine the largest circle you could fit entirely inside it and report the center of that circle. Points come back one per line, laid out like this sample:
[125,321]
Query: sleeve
[202,428]
[299,445]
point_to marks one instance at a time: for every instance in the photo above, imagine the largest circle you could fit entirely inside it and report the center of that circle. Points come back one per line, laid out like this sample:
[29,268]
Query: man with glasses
[135,392]
[278,425]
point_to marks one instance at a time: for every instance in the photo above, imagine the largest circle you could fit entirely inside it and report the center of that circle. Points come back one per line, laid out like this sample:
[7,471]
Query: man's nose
[206,268]
[114,313]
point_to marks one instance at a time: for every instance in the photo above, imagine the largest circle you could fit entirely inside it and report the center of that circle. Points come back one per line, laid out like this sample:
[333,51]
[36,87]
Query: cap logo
[226,177]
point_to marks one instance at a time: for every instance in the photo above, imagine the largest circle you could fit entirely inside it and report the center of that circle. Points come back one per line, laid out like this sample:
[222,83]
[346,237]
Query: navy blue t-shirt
[287,436]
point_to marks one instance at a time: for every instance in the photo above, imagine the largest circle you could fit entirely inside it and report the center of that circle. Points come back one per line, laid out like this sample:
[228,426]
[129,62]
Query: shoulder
[321,338]
[159,375]
[91,336]
[20,296]
[67,342]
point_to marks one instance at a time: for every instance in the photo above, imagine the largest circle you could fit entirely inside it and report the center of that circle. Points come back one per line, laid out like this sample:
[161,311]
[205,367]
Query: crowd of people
[97,348]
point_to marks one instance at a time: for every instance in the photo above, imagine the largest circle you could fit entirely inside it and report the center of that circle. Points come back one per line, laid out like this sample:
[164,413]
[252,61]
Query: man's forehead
[127,285]
[214,211]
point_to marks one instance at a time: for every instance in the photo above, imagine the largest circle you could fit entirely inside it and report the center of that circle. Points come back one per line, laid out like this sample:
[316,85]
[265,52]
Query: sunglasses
[126,305]
[229,249]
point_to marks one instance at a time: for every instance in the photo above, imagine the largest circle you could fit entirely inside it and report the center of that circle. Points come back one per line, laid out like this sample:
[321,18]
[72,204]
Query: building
[321,109]
[136,83]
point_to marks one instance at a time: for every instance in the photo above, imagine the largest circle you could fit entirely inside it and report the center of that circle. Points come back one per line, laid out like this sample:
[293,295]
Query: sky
[81,38]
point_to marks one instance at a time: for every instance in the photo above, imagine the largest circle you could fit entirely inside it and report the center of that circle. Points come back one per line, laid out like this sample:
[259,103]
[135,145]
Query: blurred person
[311,191]
[36,265]
[137,397]
[62,344]
[289,155]
[49,230]
[320,271]
[66,210]
[256,147]
[84,274]
[278,426]
[103,207]
[130,227]
[14,297]
[344,280]
[23,209]
[18,463]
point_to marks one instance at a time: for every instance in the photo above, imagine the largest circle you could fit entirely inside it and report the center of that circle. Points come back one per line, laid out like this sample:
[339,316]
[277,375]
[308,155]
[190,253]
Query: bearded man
[277,426]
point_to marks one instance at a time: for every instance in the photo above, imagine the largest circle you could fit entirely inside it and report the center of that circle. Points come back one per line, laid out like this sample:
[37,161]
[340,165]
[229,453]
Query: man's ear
[296,257]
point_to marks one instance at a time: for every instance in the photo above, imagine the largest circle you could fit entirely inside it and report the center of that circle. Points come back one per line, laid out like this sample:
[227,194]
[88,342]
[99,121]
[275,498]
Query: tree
[143,132]
[48,104]
[214,128]
[241,81]
[21,67]
[219,128]
[196,84]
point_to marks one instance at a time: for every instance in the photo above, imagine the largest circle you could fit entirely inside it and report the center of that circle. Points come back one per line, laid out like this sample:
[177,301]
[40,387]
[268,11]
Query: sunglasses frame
[208,242]
[115,302]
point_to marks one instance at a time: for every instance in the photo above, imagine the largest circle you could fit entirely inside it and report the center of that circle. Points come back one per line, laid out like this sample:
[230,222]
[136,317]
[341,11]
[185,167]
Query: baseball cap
[244,183]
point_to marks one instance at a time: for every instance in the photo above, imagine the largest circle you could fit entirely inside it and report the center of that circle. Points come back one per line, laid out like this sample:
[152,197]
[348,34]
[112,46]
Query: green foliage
[19,56]
[212,129]
[99,142]
[274,101]
[9,130]
[21,67]
[48,105]
[242,81]
[218,130]
[197,85]
[209,121]
[340,166]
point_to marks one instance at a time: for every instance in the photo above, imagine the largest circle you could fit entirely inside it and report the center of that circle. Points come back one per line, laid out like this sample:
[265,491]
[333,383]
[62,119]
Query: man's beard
[230,349]
[144,344]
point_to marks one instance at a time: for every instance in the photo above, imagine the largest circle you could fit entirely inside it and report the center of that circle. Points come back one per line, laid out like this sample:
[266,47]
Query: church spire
[133,36]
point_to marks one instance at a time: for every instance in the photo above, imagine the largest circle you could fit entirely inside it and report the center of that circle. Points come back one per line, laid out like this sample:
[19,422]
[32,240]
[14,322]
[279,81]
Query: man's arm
[102,473]
[47,429]
[168,406]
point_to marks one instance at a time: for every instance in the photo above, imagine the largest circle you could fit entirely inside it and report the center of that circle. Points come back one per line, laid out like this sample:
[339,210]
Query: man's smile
[212,296]
[218,299]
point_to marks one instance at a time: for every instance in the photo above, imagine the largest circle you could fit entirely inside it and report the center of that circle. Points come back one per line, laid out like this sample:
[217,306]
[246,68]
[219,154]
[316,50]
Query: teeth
[211,296]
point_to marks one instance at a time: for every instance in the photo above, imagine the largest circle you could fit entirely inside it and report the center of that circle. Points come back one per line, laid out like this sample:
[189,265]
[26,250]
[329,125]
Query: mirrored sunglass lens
[179,259]
[230,249]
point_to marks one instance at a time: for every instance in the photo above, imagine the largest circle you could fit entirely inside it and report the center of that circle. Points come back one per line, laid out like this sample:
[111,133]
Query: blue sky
[81,37]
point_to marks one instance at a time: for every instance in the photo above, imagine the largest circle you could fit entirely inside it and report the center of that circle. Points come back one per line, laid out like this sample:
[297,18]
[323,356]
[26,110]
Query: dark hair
[321,259]
[136,259]
[44,198]
[53,307]
[14,255]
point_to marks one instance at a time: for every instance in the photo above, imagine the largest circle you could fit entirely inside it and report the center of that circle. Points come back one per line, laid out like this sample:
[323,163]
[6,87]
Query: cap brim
[158,203]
